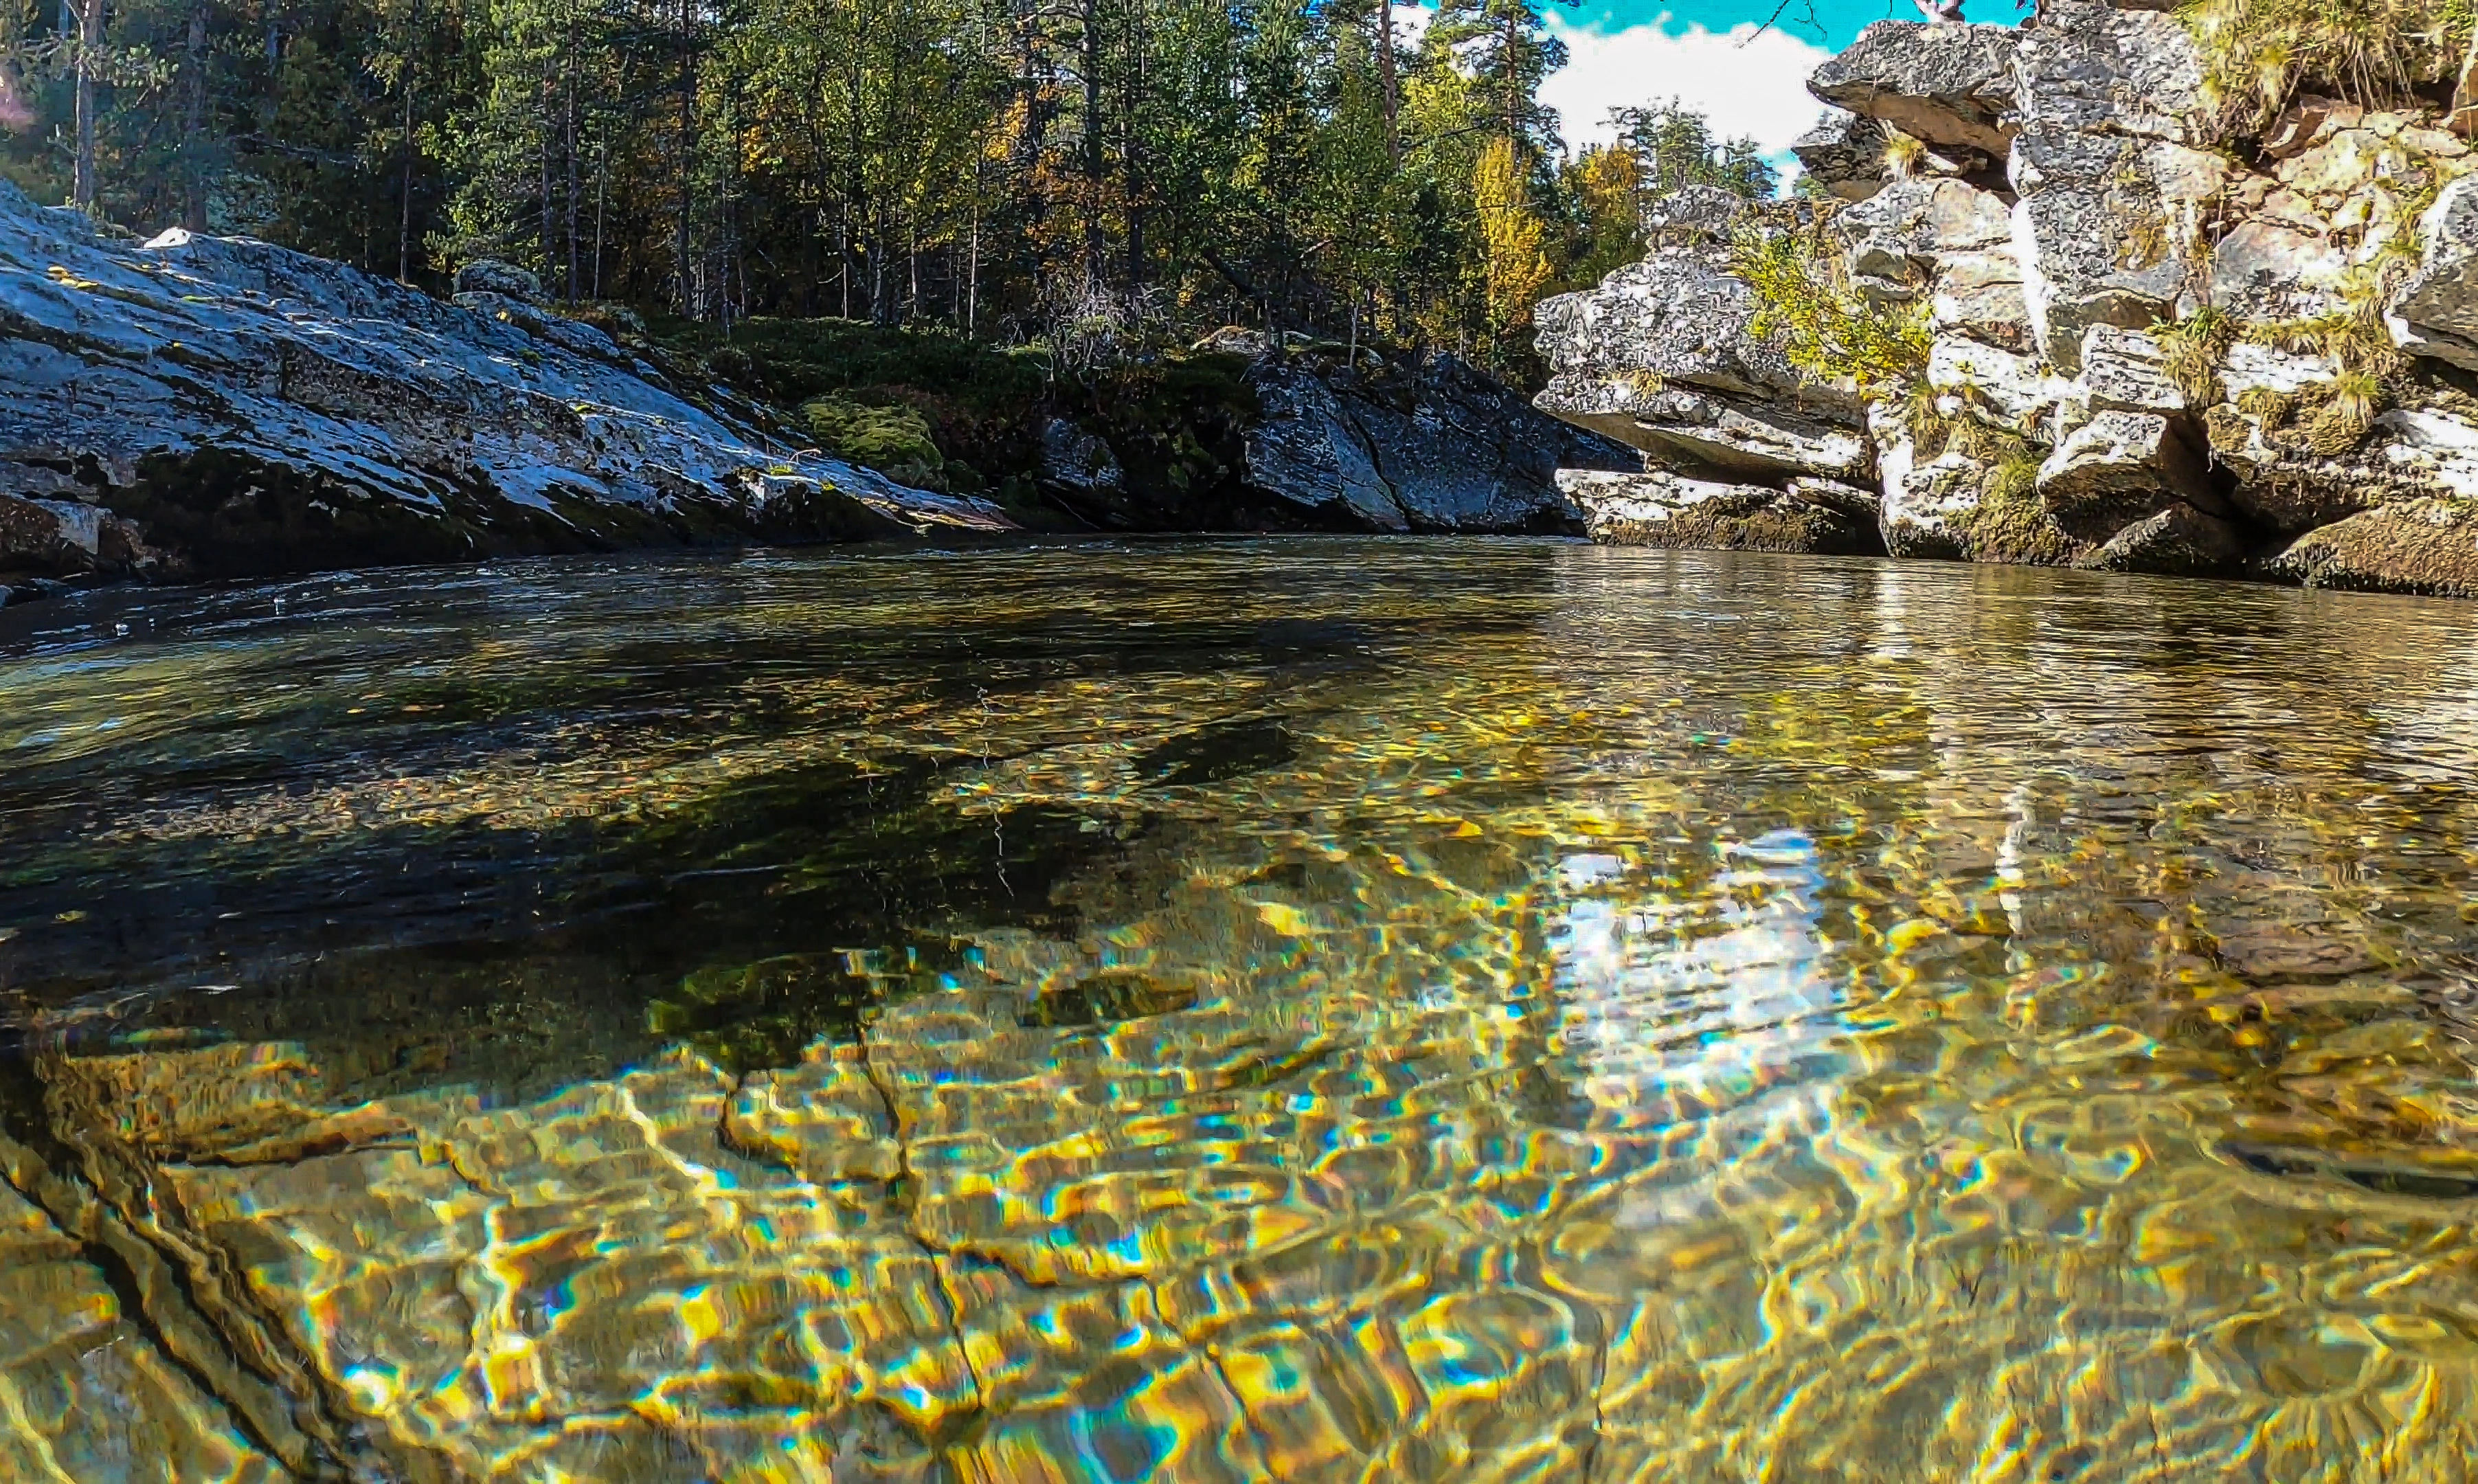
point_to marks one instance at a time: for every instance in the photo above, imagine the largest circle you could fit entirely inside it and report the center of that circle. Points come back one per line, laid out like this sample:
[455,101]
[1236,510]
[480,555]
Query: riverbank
[2062,297]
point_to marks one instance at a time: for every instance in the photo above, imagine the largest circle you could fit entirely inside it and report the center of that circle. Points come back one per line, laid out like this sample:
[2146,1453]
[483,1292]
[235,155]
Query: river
[1305,1009]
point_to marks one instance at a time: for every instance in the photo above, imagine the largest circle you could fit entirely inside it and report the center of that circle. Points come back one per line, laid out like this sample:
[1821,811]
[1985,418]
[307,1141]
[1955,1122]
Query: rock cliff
[2138,337]
[201,407]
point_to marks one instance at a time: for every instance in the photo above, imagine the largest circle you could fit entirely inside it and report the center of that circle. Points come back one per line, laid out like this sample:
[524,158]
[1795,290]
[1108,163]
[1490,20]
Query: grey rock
[2269,270]
[2093,240]
[1675,316]
[1948,508]
[2435,312]
[489,275]
[2120,467]
[2096,68]
[1860,504]
[2126,371]
[1662,509]
[1945,84]
[1439,447]
[252,409]
[1743,438]
[1695,213]
[1078,464]
[1844,153]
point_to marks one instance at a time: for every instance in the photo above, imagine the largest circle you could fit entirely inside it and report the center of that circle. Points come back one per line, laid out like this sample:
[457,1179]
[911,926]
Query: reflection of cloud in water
[1702,1029]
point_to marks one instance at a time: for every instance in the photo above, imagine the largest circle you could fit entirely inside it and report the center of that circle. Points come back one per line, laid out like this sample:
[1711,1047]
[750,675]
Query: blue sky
[1706,54]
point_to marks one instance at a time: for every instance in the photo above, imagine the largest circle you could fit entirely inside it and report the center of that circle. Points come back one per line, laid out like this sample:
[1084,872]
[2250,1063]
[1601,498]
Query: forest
[1009,170]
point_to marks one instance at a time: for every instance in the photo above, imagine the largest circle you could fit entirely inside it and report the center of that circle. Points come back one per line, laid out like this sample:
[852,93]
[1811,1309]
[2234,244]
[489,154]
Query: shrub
[1803,305]
[894,440]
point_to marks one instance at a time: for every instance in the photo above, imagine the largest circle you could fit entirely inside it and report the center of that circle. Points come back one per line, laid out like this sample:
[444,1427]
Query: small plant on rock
[2192,350]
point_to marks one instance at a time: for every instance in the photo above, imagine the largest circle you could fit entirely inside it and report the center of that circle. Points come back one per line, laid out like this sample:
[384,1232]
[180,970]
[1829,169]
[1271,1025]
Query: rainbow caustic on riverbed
[1315,1010]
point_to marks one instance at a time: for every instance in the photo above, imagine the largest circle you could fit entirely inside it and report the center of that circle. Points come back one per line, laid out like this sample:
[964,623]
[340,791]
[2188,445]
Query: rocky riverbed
[2153,342]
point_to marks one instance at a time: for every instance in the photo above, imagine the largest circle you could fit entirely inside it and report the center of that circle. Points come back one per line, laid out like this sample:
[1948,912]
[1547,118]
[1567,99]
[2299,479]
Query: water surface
[1299,1009]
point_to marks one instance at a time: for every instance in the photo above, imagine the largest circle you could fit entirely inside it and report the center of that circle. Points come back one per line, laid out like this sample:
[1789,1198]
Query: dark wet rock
[1079,464]
[1438,447]
[2177,541]
[2282,951]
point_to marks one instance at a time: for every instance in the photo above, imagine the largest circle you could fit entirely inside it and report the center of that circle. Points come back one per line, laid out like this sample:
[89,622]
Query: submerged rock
[222,406]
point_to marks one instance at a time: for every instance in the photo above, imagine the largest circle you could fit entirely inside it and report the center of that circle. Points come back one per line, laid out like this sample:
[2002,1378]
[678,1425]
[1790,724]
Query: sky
[1710,54]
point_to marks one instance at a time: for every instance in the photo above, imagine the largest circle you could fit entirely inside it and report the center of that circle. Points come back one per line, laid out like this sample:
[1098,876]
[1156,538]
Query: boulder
[1944,85]
[2124,371]
[1660,509]
[235,408]
[489,275]
[1676,317]
[2271,269]
[1858,504]
[2093,241]
[2279,482]
[1844,153]
[2096,68]
[1901,238]
[1998,387]
[2120,467]
[2421,546]
[1695,213]
[2175,540]
[1435,447]
[2435,312]
[1077,464]
[1753,440]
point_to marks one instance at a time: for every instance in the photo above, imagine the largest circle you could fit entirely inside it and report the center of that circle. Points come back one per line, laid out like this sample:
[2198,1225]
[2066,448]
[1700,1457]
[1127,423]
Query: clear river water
[1302,1009]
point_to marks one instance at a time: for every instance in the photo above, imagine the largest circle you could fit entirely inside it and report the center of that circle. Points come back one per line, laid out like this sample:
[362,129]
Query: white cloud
[1756,88]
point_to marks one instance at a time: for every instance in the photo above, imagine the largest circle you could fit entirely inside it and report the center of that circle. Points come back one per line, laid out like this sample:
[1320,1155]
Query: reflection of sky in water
[1700,1030]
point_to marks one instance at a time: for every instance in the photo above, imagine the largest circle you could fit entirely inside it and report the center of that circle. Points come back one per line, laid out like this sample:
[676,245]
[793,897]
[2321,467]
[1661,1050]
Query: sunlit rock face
[2168,348]
[203,406]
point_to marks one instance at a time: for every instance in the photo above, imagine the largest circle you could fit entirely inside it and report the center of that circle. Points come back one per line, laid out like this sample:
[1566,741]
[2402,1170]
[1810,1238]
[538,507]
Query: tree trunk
[601,199]
[567,147]
[90,50]
[404,205]
[1392,86]
[194,120]
[687,143]
[1513,77]
[1092,159]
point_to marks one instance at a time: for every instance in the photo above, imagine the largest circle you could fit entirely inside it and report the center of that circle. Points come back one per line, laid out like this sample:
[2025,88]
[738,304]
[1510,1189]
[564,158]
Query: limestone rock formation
[2436,314]
[203,406]
[2147,347]
[1666,510]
